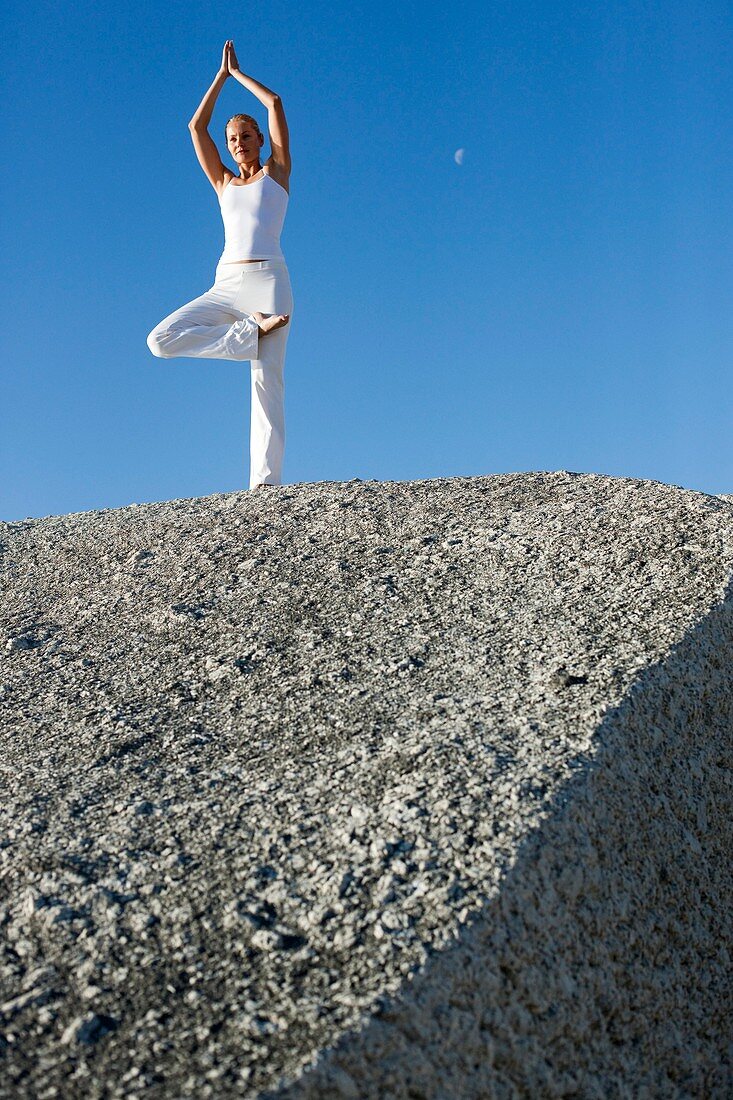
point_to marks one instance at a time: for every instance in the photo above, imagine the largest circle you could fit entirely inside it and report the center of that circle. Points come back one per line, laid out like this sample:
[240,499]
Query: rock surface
[370,789]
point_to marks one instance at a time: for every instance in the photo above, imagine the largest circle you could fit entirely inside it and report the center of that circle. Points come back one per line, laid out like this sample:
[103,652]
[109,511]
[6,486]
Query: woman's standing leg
[219,325]
[266,287]
[267,414]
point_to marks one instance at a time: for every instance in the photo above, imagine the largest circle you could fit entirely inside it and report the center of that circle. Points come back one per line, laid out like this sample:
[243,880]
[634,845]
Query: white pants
[219,325]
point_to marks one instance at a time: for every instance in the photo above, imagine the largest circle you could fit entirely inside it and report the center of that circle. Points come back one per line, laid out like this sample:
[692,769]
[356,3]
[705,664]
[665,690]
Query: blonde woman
[245,315]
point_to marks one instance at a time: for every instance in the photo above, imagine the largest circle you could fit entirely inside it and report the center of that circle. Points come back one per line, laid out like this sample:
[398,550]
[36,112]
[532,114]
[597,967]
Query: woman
[245,314]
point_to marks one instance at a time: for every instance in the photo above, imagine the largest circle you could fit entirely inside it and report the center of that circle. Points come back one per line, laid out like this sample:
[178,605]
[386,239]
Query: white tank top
[253,216]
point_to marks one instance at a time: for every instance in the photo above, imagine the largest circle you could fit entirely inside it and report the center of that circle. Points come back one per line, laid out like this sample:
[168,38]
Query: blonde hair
[244,118]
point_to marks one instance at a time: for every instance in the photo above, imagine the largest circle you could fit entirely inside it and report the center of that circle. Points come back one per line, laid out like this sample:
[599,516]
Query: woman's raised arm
[205,109]
[264,94]
[277,125]
[206,150]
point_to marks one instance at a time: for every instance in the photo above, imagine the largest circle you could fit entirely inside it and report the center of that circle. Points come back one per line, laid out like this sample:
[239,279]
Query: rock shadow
[601,968]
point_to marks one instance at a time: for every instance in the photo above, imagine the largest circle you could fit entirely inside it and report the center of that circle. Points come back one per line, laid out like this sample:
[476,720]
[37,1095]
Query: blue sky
[561,300]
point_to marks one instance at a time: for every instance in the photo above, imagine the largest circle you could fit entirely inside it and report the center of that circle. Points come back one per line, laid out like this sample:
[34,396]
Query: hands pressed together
[229,61]
[230,67]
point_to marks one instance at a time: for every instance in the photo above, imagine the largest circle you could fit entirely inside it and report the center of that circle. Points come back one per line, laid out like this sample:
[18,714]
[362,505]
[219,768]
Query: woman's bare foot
[267,322]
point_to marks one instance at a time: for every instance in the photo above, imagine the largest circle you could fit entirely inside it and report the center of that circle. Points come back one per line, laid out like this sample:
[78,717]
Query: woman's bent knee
[157,344]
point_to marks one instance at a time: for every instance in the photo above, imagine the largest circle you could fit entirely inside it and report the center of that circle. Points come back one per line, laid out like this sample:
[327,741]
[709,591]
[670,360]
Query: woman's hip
[229,273]
[268,291]
[262,285]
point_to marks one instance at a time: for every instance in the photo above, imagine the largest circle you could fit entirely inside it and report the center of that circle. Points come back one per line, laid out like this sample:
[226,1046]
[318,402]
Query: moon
[458,156]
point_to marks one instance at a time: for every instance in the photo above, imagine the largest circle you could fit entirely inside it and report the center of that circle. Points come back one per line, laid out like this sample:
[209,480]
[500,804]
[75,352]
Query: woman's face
[243,141]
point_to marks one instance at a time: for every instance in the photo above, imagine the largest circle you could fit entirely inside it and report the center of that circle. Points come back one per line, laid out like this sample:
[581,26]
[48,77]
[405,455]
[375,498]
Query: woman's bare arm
[278,127]
[205,110]
[279,137]
[264,94]
[206,150]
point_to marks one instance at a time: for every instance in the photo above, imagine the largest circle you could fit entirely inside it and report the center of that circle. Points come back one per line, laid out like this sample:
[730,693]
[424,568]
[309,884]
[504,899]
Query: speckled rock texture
[369,790]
